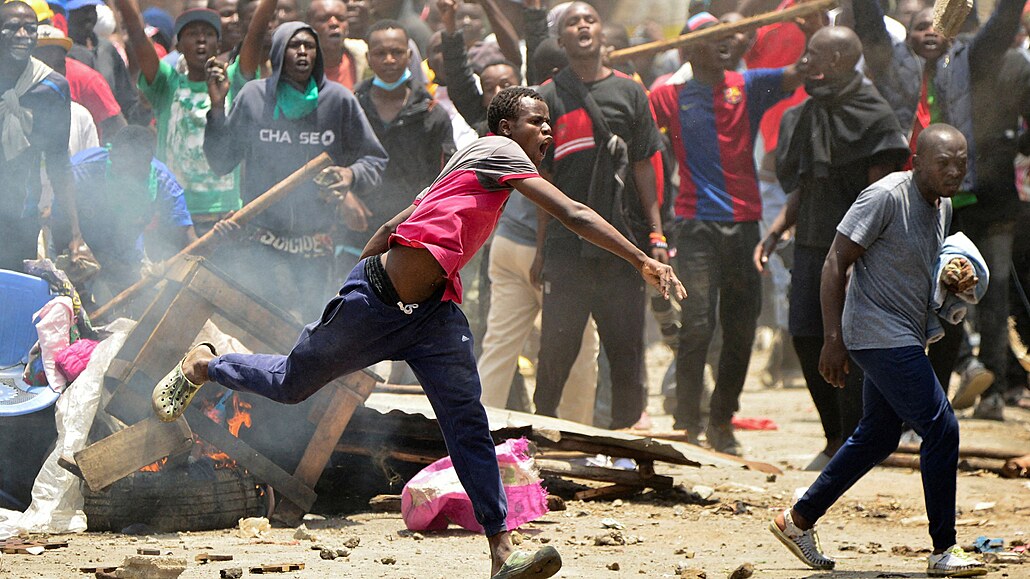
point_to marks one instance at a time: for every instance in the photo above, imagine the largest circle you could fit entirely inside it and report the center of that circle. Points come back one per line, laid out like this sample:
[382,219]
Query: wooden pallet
[192,293]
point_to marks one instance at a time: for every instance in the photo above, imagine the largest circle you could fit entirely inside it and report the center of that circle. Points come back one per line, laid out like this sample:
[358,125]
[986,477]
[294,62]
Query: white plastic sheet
[56,495]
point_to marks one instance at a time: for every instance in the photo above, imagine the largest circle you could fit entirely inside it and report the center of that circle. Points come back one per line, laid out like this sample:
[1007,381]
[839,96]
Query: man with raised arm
[401,303]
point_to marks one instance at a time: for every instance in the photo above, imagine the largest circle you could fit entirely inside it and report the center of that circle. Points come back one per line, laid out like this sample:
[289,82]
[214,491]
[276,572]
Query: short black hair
[503,62]
[506,105]
[134,137]
[385,24]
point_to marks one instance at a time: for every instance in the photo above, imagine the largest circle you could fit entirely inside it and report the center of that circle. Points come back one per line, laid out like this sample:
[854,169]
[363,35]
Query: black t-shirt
[825,201]
[570,160]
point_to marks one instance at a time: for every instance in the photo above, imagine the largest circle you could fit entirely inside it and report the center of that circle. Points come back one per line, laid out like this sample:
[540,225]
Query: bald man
[835,144]
[892,235]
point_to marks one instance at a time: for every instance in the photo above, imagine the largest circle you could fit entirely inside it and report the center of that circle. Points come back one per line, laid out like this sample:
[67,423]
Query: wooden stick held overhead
[242,217]
[724,29]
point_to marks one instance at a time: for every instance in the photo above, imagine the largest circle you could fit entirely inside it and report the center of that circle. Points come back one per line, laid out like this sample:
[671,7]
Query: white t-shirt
[83,135]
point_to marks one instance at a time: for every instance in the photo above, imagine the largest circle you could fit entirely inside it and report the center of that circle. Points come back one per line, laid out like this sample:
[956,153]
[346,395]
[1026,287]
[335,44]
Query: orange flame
[238,417]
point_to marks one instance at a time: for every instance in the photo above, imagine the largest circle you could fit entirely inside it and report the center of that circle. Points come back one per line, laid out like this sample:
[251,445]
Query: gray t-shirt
[891,284]
[518,221]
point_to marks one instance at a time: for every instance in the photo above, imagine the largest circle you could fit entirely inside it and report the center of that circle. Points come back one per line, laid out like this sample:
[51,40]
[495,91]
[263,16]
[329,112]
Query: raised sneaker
[975,380]
[804,544]
[954,562]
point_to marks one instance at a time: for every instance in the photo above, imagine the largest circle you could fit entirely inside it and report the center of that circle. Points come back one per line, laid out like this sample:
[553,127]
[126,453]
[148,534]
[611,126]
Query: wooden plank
[350,392]
[612,475]
[174,334]
[609,492]
[277,568]
[245,456]
[129,450]
[252,314]
[723,30]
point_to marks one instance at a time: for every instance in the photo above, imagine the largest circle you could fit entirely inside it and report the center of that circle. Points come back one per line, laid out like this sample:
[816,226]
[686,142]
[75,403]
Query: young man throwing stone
[892,234]
[400,303]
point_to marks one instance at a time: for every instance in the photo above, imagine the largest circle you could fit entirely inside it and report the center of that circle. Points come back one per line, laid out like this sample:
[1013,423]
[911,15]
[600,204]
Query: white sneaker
[804,544]
[954,562]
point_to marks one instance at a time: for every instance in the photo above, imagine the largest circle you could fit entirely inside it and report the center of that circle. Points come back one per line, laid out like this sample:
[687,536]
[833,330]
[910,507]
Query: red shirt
[343,74]
[89,89]
[776,46]
[459,211]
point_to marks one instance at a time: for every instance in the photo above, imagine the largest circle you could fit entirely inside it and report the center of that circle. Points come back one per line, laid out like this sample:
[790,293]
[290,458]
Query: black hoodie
[271,148]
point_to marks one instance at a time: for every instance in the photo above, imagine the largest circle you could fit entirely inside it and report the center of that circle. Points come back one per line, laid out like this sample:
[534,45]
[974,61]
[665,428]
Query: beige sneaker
[804,544]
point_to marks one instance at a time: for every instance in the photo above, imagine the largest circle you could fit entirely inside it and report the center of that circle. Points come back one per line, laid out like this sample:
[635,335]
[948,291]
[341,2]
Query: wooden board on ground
[19,546]
[206,557]
[610,492]
[613,475]
[277,568]
[129,450]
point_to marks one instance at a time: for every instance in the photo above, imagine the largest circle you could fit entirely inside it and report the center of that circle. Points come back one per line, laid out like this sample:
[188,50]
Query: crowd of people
[128,133]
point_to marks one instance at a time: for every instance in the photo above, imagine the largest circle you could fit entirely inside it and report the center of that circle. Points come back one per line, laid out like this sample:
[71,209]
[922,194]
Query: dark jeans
[357,330]
[995,242]
[714,262]
[900,388]
[612,292]
[840,409]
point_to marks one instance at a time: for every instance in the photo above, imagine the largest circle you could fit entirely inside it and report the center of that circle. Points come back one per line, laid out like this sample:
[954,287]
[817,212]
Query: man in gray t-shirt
[892,236]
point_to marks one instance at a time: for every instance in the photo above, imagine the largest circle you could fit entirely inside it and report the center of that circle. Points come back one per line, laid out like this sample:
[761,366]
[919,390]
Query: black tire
[173,501]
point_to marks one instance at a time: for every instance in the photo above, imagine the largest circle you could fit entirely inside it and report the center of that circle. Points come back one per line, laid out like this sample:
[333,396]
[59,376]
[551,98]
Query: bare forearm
[380,241]
[142,48]
[831,297]
[254,37]
[507,36]
[647,191]
[788,216]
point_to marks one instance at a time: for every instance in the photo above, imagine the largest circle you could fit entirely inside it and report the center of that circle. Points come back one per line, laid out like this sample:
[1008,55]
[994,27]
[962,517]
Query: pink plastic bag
[434,497]
[72,360]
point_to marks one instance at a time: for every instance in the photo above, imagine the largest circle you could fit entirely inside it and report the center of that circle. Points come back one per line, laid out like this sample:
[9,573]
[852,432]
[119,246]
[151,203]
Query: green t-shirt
[181,107]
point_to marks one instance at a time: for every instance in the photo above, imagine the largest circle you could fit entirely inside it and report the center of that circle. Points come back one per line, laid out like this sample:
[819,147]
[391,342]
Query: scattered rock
[743,572]
[231,573]
[613,566]
[770,478]
[352,543]
[703,492]
[417,537]
[388,561]
[327,554]
[610,539]
[906,551]
[686,572]
[610,523]
[516,538]
[555,503]
[685,552]
[303,534]
[151,568]
[341,553]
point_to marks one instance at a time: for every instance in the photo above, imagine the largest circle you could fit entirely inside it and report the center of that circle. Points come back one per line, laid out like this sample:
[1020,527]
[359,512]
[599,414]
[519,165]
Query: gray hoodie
[271,148]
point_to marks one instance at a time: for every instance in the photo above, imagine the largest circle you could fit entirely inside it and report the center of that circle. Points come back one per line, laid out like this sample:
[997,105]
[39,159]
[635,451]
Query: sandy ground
[861,531]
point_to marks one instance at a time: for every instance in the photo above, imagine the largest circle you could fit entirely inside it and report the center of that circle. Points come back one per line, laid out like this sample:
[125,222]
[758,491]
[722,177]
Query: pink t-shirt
[458,212]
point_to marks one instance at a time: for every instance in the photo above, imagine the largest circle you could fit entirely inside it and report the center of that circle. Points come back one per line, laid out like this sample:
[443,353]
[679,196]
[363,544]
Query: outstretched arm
[142,48]
[590,226]
[254,37]
[504,30]
[833,360]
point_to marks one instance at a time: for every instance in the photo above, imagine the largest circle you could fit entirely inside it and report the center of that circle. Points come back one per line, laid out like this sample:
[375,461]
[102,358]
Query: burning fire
[229,410]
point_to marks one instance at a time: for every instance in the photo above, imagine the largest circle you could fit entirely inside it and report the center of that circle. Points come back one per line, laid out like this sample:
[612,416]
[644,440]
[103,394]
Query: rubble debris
[254,527]
[610,523]
[147,551]
[231,573]
[135,567]
[988,545]
[1003,558]
[555,503]
[303,534]
[277,568]
[685,552]
[208,557]
[516,538]
[703,492]
[98,569]
[19,546]
[327,554]
[388,561]
[385,504]
[613,566]
[906,551]
[686,572]
[352,543]
[743,572]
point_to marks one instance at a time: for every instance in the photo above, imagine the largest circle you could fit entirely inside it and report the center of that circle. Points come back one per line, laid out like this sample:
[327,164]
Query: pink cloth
[53,328]
[458,212]
[72,360]
[435,497]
